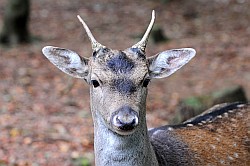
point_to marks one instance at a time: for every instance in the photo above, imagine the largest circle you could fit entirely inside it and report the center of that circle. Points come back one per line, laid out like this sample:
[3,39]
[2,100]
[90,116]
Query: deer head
[118,79]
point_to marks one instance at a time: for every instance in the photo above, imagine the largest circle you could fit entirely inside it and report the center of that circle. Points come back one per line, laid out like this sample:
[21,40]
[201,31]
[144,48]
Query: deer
[118,81]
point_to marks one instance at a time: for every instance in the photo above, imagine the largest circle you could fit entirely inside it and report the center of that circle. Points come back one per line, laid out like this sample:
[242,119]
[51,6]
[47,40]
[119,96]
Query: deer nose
[125,119]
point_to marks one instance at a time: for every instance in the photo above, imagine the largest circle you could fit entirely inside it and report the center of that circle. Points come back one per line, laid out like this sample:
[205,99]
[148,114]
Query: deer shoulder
[219,136]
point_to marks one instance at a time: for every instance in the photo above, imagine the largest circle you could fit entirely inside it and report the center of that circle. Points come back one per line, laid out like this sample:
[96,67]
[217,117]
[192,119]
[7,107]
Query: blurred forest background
[44,114]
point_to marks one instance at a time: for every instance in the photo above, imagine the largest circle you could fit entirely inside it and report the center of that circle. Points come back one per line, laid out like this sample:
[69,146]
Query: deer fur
[118,82]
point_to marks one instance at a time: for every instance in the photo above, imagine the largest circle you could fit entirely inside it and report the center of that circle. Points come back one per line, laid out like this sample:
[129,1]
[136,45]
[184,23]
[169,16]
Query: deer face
[118,84]
[118,79]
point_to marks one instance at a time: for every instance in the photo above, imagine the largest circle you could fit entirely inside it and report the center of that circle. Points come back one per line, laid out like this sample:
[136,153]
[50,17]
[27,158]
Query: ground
[44,114]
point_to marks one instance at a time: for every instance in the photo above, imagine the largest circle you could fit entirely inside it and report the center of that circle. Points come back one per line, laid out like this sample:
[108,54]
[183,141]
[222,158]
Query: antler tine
[143,42]
[95,45]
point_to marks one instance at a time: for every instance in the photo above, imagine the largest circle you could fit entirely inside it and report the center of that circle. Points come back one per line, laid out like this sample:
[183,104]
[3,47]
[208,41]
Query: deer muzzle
[124,120]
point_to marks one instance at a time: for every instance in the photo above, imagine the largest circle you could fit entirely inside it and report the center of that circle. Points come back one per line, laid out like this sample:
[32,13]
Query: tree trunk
[15,22]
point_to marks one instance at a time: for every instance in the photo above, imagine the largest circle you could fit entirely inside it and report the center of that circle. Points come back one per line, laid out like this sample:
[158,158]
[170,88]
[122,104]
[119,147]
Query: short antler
[143,42]
[95,45]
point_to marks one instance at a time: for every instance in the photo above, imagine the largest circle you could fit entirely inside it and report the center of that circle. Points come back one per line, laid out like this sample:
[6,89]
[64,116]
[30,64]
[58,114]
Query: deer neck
[114,149]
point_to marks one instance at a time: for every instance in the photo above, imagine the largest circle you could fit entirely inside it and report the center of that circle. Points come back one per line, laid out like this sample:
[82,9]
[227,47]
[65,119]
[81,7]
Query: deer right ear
[68,61]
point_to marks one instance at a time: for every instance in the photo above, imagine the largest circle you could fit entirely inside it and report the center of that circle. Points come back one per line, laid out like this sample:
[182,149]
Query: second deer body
[118,88]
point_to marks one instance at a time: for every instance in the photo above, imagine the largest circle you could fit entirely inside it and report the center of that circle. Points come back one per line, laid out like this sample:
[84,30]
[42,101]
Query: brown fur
[223,141]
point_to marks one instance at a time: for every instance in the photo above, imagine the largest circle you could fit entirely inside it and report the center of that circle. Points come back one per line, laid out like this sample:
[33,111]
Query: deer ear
[167,62]
[68,61]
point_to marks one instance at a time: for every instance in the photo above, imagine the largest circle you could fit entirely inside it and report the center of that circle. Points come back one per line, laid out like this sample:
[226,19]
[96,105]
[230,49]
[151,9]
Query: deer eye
[95,83]
[146,82]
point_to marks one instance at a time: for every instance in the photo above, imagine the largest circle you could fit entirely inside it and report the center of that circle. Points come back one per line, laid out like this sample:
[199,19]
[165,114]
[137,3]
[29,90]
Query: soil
[44,114]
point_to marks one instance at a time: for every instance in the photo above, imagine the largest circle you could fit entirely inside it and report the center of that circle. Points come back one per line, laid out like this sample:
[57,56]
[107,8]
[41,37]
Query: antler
[143,43]
[95,45]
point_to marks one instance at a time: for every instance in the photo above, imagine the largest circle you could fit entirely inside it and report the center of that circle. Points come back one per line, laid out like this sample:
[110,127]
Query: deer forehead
[110,65]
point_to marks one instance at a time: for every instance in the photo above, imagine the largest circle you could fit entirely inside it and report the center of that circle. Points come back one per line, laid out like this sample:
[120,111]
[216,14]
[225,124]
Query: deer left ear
[167,62]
